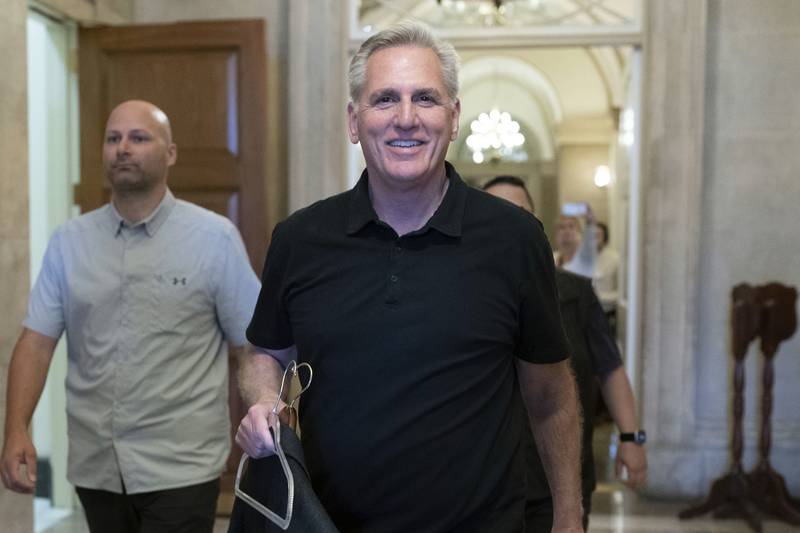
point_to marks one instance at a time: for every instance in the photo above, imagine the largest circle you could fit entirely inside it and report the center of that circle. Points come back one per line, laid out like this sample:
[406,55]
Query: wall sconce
[602,176]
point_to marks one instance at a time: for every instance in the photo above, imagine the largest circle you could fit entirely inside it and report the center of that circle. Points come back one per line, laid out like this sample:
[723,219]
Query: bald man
[151,291]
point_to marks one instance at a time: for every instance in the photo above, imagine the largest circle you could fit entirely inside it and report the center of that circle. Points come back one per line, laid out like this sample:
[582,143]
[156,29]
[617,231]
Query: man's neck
[567,252]
[135,206]
[408,209]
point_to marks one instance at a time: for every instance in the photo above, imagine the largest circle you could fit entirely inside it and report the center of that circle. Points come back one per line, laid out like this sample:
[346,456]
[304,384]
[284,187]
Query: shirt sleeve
[46,303]
[237,288]
[542,338]
[583,263]
[600,339]
[270,327]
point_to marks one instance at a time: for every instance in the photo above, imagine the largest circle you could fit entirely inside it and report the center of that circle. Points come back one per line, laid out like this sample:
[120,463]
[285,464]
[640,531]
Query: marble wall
[720,205]
[16,511]
[748,225]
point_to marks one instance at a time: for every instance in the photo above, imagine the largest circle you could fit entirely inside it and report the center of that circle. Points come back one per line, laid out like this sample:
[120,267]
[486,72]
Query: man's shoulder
[487,209]
[572,286]
[326,211]
[570,278]
[194,215]
[93,220]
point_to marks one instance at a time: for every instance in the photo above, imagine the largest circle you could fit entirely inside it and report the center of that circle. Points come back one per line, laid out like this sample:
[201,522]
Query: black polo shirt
[413,422]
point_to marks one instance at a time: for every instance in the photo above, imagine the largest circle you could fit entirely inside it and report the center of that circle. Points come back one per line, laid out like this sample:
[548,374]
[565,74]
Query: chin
[131,184]
[409,172]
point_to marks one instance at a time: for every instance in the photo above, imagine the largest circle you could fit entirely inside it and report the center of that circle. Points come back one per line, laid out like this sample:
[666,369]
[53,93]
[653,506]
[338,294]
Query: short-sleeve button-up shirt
[148,310]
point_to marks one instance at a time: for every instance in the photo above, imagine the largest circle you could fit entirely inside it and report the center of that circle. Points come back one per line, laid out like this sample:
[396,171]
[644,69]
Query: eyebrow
[393,92]
[138,131]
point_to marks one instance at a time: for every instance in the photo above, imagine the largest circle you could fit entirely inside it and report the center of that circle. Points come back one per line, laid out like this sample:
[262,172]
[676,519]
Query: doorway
[53,171]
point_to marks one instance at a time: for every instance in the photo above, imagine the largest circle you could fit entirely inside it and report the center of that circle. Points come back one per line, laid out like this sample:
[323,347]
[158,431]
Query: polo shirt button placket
[394,256]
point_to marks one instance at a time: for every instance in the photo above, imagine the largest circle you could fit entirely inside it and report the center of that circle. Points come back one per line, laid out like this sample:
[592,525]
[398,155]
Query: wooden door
[210,79]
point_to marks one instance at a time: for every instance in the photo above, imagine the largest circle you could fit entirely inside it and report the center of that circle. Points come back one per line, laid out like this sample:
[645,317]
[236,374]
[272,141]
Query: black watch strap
[639,437]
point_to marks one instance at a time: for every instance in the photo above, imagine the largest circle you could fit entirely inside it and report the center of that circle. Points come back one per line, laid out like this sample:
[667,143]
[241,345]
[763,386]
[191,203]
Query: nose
[406,115]
[123,147]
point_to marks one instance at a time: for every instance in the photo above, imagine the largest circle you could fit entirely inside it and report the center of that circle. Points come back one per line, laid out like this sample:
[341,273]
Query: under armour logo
[182,281]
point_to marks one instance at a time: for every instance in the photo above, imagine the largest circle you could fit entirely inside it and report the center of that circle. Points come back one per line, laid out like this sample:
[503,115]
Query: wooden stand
[768,311]
[778,323]
[729,494]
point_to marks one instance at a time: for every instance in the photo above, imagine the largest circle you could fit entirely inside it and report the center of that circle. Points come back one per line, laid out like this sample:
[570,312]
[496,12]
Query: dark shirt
[593,355]
[414,419]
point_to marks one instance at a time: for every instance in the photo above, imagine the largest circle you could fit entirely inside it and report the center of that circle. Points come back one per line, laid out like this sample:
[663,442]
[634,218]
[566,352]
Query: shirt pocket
[179,301]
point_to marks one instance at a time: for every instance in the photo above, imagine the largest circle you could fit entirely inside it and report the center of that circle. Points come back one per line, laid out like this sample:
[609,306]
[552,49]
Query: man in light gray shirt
[150,291]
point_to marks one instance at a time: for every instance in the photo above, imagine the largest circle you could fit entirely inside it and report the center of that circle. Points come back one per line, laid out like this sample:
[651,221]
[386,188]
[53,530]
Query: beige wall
[576,167]
[720,191]
[16,512]
[751,198]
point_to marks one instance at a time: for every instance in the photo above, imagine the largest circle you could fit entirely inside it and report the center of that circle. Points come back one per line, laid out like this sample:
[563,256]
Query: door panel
[210,79]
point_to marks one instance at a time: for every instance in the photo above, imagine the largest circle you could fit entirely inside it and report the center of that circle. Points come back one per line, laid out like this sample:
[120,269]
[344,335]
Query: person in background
[595,358]
[151,291]
[576,250]
[604,277]
[417,333]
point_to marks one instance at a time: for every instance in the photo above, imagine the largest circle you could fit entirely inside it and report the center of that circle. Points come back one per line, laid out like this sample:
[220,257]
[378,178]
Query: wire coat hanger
[274,426]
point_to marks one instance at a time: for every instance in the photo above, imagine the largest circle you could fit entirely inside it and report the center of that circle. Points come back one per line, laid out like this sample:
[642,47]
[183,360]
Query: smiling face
[137,150]
[404,119]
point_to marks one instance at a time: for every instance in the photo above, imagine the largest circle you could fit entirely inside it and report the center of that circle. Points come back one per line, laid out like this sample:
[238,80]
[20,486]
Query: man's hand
[17,451]
[631,456]
[253,435]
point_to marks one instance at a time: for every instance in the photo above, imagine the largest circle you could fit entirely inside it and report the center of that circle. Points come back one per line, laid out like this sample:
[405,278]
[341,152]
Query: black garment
[593,355]
[539,514]
[183,510]
[414,420]
[265,481]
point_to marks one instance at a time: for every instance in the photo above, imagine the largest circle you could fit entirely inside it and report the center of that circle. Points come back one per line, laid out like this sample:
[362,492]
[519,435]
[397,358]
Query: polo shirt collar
[153,221]
[447,218]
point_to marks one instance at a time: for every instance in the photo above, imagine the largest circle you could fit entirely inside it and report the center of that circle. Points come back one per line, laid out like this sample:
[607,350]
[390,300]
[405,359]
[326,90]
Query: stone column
[16,511]
[672,183]
[317,126]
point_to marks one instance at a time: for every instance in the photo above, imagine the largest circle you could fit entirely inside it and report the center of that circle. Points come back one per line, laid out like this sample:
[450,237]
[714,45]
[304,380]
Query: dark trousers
[539,514]
[183,510]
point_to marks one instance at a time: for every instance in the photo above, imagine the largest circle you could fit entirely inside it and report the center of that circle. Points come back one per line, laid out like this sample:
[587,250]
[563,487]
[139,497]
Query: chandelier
[495,136]
[487,12]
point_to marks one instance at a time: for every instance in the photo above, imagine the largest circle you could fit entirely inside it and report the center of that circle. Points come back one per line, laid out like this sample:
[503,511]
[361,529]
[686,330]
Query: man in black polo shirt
[418,301]
[595,357]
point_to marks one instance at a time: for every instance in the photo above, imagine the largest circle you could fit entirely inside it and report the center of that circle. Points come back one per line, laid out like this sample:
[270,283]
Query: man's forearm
[260,376]
[618,397]
[27,374]
[552,401]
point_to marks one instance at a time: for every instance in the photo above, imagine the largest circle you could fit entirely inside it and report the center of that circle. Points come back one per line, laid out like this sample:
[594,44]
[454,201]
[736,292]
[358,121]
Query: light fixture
[488,12]
[494,134]
[602,176]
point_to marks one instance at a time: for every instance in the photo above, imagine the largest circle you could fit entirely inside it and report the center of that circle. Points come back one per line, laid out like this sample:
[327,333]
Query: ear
[172,154]
[352,122]
[454,118]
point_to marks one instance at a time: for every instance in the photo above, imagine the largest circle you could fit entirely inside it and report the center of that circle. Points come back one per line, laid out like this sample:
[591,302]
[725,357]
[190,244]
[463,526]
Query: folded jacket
[265,481]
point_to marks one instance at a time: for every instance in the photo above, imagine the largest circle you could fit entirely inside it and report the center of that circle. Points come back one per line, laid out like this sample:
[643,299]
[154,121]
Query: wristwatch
[639,437]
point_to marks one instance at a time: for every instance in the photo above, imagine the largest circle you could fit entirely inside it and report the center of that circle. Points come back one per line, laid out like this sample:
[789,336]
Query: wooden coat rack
[767,312]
